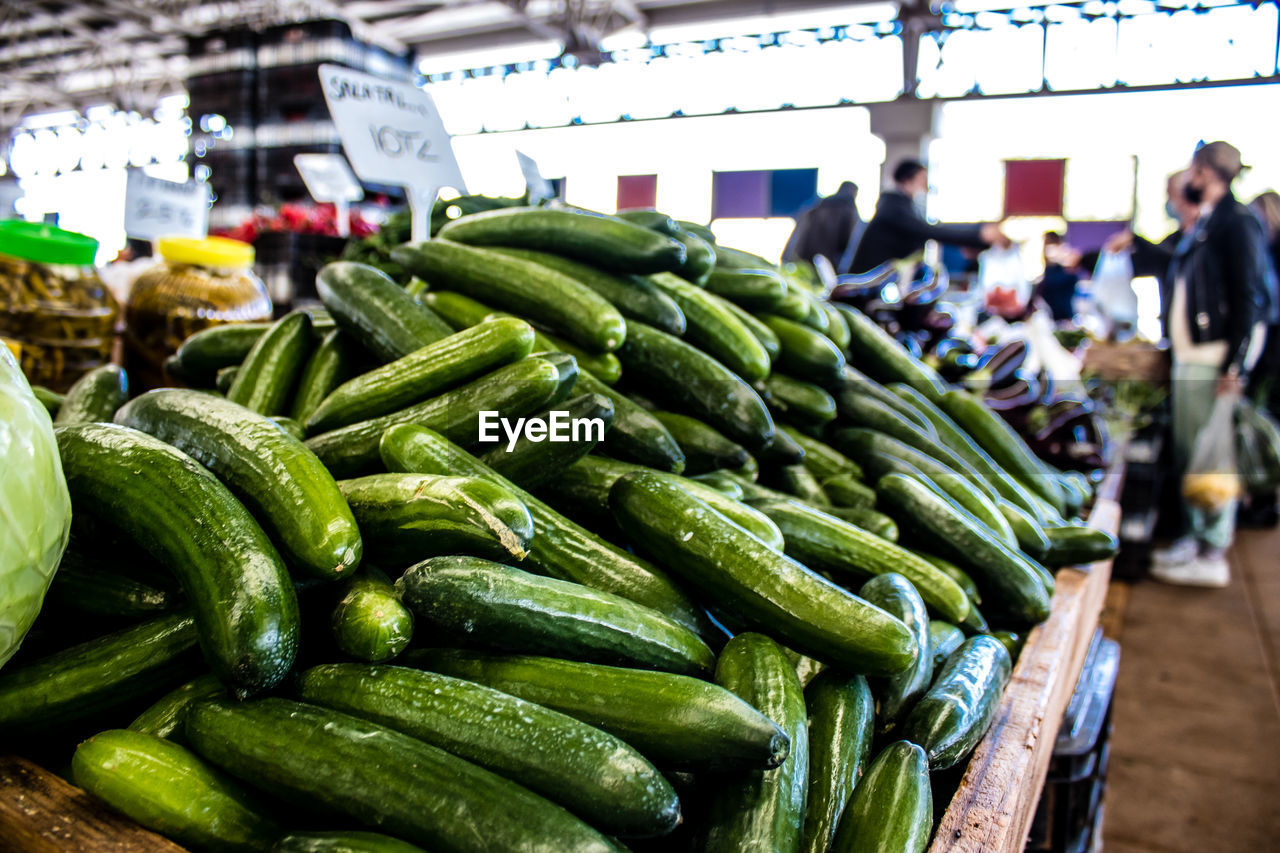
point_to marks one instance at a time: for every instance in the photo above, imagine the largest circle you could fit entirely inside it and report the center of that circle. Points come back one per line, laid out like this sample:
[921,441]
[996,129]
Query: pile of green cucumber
[307,608]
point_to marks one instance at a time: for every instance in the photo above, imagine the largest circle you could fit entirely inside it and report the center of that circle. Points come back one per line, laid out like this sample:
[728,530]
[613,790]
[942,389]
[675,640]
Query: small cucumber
[762,809]
[715,329]
[502,608]
[530,463]
[837,326]
[781,450]
[605,241]
[699,258]
[801,402]
[652,219]
[697,384]
[409,517]
[750,289]
[799,481]
[944,638]
[95,396]
[166,788]
[603,366]
[892,807]
[870,520]
[674,720]
[754,582]
[50,399]
[736,259]
[821,458]
[885,359]
[458,310]
[1012,642]
[342,842]
[1077,545]
[636,434]
[847,492]
[763,333]
[369,622]
[265,381]
[856,381]
[952,717]
[377,312]
[209,350]
[698,230]
[225,379]
[898,693]
[957,574]
[274,474]
[100,591]
[841,725]
[806,352]
[330,364]
[704,448]
[165,717]
[1031,537]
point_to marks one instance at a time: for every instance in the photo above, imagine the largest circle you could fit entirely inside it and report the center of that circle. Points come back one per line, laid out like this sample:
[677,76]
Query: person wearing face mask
[899,229]
[1215,314]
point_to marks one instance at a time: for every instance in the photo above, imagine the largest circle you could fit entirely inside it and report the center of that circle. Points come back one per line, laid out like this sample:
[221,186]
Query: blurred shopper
[899,228]
[1264,379]
[829,227]
[1057,287]
[1215,316]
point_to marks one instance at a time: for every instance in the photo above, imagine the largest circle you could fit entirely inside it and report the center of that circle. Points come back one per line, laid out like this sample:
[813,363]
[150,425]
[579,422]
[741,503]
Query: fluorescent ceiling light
[431,63]
[854,13]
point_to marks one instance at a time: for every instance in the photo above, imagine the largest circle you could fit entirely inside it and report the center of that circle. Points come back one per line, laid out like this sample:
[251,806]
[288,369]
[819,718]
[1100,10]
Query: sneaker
[1180,551]
[1208,571]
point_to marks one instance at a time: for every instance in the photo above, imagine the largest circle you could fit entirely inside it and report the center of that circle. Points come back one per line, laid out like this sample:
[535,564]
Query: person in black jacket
[898,229]
[829,227]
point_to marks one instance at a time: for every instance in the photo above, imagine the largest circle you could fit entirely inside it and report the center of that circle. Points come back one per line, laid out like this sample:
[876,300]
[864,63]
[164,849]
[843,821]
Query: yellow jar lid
[206,252]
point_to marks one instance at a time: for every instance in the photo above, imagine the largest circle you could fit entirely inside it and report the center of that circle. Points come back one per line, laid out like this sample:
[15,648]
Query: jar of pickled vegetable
[198,283]
[53,306]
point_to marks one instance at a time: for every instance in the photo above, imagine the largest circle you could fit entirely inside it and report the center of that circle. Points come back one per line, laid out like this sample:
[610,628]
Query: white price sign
[539,187]
[393,135]
[328,178]
[155,208]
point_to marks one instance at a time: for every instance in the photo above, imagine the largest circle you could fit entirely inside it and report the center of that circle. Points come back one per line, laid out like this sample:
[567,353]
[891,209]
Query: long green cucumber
[763,809]
[95,396]
[847,492]
[329,366]
[837,326]
[957,574]
[652,219]
[705,449]
[1078,545]
[870,520]
[164,787]
[751,289]
[841,726]
[715,329]
[802,402]
[852,379]
[349,841]
[50,399]
[821,458]
[100,591]
[697,384]
[806,352]
[244,603]
[529,290]
[561,548]
[97,676]
[699,257]
[944,639]
[376,311]
[742,574]
[1031,537]
[512,391]
[409,517]
[281,482]
[605,241]
[448,362]
[887,360]
[824,542]
[165,717]
[586,770]
[952,717]
[369,622]
[636,435]
[209,350]
[898,693]
[382,778]
[798,481]
[1006,576]
[635,297]
[730,258]
[756,326]
[266,378]
[602,365]
[574,428]
[781,451]
[673,720]
[225,379]
[892,807]
[502,608]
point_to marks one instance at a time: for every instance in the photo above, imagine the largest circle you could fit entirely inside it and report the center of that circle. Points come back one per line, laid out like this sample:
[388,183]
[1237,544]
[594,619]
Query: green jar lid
[45,244]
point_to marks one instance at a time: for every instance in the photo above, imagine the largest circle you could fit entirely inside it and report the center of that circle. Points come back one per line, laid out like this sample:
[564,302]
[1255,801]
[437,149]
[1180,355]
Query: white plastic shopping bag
[1113,289]
[1212,480]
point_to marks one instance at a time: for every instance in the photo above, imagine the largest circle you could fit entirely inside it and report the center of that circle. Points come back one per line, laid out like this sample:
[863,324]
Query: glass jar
[53,305]
[198,283]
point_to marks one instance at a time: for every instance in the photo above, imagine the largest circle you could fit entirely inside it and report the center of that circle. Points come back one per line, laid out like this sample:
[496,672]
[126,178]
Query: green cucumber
[1006,576]
[762,333]
[225,379]
[697,384]
[635,297]
[99,591]
[530,463]
[952,717]
[291,427]
[957,574]
[603,365]
[92,678]
[1031,537]
[781,450]
[736,259]
[841,725]
[513,391]
[1012,642]
[502,608]
[715,329]
[281,482]
[795,306]
[561,548]
[50,399]
[698,230]
[892,807]
[377,312]
[750,289]
[586,770]
[266,379]
[944,639]
[870,520]
[458,310]
[887,360]
[567,369]
[529,290]
[802,402]
[380,777]
[244,603]
[699,257]
[806,352]
[821,458]
[837,326]
[704,448]
[651,219]
[165,717]
[95,396]
[898,693]
[673,720]
[636,435]
[409,517]
[369,623]
[605,241]
[723,485]
[848,492]
[852,379]
[448,362]
[330,364]
[1078,545]
[762,809]
[824,542]
[757,584]
[974,623]
[342,842]
[209,350]
[165,788]
[799,481]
